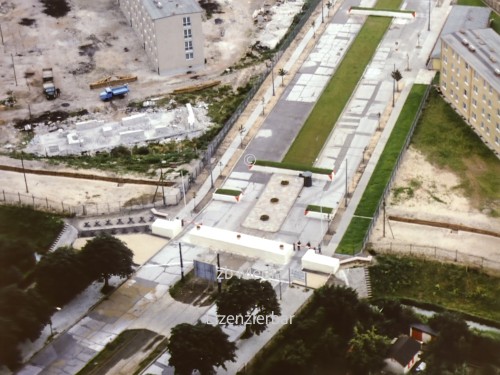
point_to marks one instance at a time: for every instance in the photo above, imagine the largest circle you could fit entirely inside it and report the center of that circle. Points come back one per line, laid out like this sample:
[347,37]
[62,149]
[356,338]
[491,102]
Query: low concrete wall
[319,263]
[319,215]
[290,172]
[240,244]
[387,13]
[227,198]
[166,228]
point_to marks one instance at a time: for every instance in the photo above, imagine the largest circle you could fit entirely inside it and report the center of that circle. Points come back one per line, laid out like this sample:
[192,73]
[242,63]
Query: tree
[250,302]
[22,316]
[61,275]
[367,351]
[199,347]
[342,306]
[17,252]
[396,75]
[105,256]
[448,351]
[282,73]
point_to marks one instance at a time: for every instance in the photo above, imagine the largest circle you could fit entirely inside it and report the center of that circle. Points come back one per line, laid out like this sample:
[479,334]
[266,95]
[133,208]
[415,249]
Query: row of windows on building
[188,34]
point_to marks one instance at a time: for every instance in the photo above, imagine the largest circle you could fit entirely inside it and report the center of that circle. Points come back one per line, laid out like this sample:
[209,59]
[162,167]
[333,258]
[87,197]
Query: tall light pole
[24,172]
[272,73]
[393,86]
[183,188]
[322,17]
[429,23]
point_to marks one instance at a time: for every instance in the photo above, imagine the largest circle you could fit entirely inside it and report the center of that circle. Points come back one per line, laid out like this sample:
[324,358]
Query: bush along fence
[436,253]
[373,199]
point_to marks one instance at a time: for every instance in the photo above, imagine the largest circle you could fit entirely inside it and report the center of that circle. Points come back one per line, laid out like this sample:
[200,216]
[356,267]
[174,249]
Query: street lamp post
[322,16]
[183,189]
[162,182]
[24,172]
[429,23]
[393,87]
[272,73]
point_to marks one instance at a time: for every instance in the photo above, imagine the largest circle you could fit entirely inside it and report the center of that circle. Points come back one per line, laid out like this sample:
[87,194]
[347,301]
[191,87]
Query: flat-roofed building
[171,33]
[461,17]
[470,80]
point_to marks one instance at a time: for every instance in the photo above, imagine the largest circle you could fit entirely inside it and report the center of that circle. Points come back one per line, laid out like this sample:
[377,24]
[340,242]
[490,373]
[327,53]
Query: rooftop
[481,49]
[404,349]
[158,9]
[463,17]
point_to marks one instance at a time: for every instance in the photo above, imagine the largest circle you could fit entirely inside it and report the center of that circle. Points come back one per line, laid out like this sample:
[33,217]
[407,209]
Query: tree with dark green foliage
[105,256]
[397,76]
[61,275]
[17,252]
[23,314]
[341,306]
[396,318]
[367,351]
[448,351]
[199,347]
[243,298]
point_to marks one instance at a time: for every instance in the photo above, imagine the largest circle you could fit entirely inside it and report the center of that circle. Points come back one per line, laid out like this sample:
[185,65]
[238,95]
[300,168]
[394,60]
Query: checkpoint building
[170,31]
[470,80]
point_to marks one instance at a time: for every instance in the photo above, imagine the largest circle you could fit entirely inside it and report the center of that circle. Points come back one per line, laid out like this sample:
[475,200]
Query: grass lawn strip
[356,231]
[322,119]
[293,166]
[231,192]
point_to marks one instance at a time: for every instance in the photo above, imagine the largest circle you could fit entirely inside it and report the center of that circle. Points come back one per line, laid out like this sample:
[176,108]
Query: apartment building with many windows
[170,31]
[470,80]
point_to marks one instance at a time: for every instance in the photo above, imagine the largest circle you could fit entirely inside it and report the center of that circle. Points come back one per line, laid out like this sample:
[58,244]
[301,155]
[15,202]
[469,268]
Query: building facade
[470,80]
[170,31]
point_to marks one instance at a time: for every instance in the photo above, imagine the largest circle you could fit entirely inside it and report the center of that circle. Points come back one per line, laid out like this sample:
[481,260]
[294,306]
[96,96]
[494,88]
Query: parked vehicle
[49,88]
[112,92]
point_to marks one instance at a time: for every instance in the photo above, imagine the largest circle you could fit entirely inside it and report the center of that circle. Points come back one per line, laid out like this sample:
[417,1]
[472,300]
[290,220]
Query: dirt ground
[94,41]
[422,191]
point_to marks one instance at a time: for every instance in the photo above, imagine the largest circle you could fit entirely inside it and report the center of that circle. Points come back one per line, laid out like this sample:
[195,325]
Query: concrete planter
[387,13]
[227,198]
[318,215]
[290,172]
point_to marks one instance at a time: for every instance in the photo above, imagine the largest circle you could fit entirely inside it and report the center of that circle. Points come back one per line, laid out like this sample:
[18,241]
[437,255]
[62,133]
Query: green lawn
[448,142]
[39,229]
[330,105]
[353,238]
[452,287]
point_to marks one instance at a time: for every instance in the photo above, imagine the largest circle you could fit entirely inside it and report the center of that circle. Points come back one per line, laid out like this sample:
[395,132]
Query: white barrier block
[166,228]
[241,244]
[320,263]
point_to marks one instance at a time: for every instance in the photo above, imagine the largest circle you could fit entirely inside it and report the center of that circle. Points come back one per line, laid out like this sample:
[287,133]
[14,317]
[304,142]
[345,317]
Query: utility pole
[322,17]
[13,67]
[393,87]
[24,172]
[182,265]
[272,73]
[429,24]
[346,192]
[383,226]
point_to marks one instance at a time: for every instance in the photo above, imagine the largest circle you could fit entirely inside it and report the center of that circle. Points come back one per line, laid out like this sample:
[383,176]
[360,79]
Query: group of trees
[64,273]
[58,277]
[203,346]
[336,330]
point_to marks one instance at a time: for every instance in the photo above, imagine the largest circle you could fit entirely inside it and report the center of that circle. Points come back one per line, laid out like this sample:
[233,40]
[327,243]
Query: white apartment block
[470,80]
[170,31]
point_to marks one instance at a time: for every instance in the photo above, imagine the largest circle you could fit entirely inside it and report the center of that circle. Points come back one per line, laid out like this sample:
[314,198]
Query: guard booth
[307,176]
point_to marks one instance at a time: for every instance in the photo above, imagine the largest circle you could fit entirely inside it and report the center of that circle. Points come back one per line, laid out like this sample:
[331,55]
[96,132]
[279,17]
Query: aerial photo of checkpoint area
[250,187]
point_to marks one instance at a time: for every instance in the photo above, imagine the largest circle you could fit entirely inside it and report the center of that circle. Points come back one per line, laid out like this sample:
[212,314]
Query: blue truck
[112,92]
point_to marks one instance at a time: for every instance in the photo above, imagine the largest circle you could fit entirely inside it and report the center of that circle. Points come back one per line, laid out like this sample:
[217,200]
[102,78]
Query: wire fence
[437,253]
[87,209]
[395,169]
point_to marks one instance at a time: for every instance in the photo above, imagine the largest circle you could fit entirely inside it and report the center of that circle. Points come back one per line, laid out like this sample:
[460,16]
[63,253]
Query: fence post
[19,195]
[62,205]
[3,191]
[33,197]
[47,202]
